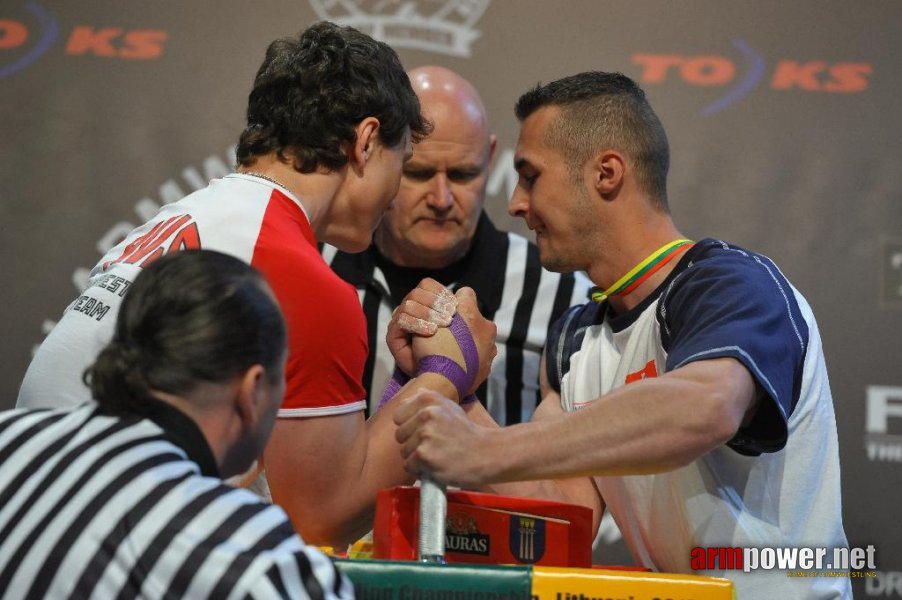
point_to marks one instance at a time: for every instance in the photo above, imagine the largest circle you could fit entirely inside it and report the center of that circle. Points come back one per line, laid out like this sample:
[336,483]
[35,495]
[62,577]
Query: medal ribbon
[645,269]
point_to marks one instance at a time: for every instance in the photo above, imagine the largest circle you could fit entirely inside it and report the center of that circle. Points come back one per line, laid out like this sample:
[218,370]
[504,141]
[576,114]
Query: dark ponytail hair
[189,317]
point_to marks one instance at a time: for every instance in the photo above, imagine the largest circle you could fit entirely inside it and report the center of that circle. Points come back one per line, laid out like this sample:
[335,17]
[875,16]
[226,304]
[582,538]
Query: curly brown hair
[312,91]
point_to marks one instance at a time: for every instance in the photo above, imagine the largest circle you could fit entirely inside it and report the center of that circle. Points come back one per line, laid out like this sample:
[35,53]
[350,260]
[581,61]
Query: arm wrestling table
[503,548]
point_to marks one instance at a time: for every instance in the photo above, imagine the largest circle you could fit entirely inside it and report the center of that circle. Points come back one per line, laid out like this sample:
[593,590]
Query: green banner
[399,580]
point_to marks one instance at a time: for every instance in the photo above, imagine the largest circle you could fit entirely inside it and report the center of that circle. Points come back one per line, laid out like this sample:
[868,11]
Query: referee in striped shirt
[436,228]
[124,498]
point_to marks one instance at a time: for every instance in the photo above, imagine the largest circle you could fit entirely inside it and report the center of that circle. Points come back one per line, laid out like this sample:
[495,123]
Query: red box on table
[487,528]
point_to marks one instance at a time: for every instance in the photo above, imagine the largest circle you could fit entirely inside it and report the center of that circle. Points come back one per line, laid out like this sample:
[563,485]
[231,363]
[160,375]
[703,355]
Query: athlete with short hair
[690,398]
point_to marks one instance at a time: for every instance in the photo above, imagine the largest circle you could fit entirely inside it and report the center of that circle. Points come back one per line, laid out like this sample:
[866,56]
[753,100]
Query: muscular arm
[575,490]
[650,426]
[653,425]
[325,471]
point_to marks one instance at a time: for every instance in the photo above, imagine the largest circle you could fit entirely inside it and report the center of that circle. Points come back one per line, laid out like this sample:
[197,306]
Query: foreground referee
[125,498]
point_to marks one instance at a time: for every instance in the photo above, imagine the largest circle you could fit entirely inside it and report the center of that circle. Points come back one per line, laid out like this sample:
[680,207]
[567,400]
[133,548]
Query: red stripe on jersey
[326,327]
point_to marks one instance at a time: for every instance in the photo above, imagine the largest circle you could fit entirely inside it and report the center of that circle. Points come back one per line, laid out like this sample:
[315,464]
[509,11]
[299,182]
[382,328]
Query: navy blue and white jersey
[776,483]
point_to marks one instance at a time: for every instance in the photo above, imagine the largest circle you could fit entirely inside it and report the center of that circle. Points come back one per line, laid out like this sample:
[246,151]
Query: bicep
[726,379]
[308,462]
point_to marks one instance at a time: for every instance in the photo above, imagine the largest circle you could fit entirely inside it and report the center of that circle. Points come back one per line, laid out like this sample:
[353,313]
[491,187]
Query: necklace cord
[266,177]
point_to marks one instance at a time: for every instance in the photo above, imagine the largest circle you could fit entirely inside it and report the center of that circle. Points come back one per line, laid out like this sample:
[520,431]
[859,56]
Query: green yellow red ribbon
[645,269]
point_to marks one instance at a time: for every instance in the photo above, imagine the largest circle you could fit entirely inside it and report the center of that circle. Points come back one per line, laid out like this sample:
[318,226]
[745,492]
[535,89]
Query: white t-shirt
[777,483]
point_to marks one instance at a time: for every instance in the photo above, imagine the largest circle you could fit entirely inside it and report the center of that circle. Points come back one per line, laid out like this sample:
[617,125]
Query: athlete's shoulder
[712,253]
[224,197]
[714,269]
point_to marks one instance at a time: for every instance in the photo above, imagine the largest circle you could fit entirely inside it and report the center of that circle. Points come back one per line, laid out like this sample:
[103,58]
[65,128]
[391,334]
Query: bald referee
[124,498]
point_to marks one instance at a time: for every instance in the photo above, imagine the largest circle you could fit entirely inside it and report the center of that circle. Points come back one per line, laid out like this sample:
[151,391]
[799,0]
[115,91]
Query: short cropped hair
[312,90]
[604,110]
[190,317]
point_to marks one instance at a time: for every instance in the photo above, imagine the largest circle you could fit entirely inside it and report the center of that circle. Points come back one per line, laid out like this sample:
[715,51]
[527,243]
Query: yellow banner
[554,583]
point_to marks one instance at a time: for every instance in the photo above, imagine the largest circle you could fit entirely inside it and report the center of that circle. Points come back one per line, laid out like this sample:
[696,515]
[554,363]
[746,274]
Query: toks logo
[720,71]
[30,34]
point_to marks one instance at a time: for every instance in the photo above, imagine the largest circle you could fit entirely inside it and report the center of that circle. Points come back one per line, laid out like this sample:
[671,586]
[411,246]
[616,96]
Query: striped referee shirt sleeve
[299,572]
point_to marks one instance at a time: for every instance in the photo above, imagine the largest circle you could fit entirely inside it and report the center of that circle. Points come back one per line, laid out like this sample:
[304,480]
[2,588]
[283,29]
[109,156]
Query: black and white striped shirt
[512,289]
[100,506]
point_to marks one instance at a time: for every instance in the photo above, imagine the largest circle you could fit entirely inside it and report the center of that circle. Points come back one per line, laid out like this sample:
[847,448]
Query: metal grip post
[433,510]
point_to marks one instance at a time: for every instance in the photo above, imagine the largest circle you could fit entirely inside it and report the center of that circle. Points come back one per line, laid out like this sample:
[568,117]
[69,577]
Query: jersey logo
[171,235]
[649,370]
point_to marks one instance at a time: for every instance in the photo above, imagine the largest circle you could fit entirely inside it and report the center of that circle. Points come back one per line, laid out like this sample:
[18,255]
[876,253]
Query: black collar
[178,428]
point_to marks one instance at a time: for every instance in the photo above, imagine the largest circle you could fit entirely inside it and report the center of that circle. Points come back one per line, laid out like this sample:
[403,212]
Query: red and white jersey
[262,224]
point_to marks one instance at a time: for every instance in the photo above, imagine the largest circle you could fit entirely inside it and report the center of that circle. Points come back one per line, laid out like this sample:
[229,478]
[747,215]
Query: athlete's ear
[608,168]
[365,144]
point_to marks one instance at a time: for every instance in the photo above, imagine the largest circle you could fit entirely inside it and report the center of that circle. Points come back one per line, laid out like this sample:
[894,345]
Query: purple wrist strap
[464,340]
[469,400]
[398,380]
[448,369]
[462,380]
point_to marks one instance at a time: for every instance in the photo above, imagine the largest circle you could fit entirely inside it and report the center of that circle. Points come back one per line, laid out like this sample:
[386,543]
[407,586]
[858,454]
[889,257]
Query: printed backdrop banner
[783,119]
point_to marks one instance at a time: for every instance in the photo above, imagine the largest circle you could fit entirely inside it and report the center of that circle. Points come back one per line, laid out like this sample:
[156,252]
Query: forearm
[326,471]
[650,426]
[383,466]
[545,489]
[579,490]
